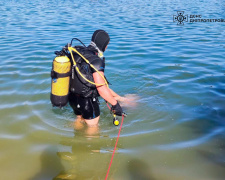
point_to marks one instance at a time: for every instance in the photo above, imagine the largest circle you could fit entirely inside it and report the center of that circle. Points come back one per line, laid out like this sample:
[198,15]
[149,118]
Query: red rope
[114,148]
[108,106]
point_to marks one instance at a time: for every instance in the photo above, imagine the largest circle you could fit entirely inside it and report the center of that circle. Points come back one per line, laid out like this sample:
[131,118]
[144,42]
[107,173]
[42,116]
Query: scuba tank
[60,74]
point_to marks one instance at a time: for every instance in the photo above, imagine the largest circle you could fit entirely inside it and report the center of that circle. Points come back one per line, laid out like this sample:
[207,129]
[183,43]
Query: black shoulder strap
[80,49]
[56,75]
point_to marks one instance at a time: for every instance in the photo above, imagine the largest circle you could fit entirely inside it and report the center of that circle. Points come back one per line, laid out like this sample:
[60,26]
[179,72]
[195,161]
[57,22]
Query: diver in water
[83,96]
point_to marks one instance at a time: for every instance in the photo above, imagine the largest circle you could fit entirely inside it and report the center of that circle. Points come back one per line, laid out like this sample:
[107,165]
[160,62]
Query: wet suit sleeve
[99,64]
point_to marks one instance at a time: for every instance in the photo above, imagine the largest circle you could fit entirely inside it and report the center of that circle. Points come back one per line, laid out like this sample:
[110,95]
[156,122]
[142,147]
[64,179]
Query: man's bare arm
[103,90]
[116,96]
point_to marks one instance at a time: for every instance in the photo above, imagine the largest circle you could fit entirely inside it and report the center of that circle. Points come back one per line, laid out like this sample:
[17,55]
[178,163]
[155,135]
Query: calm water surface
[175,133]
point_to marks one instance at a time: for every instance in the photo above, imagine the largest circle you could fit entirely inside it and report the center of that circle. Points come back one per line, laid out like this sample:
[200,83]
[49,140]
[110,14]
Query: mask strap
[100,53]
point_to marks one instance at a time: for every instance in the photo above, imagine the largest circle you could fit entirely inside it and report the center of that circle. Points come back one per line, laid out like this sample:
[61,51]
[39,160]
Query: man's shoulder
[95,59]
[98,63]
[92,56]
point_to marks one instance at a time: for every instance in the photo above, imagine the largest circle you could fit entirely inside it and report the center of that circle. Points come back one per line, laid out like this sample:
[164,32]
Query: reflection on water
[139,170]
[50,165]
[176,131]
[85,157]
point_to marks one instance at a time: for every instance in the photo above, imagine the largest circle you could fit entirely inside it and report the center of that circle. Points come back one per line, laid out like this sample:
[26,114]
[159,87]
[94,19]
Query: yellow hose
[77,69]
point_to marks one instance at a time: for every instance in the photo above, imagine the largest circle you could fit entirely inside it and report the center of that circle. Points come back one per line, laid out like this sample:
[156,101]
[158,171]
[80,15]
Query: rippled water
[177,130]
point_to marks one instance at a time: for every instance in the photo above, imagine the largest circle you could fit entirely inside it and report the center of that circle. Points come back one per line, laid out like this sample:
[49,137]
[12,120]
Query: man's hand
[117,110]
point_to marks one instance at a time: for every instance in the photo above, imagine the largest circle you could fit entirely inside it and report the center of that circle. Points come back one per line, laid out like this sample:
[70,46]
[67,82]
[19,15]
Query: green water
[175,133]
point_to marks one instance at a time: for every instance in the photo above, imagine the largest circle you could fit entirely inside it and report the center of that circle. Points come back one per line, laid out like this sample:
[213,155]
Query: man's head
[101,39]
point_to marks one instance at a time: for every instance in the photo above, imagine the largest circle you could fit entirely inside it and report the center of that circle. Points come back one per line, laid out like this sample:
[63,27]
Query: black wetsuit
[81,102]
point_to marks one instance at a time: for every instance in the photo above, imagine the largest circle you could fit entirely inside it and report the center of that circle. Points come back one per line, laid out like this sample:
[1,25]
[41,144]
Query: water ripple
[177,71]
[190,143]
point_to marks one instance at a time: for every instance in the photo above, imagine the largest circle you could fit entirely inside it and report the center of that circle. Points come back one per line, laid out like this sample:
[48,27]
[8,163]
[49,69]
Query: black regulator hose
[77,40]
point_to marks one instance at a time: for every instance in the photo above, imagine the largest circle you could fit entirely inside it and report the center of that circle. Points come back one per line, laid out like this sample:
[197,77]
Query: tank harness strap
[71,49]
[55,75]
[107,81]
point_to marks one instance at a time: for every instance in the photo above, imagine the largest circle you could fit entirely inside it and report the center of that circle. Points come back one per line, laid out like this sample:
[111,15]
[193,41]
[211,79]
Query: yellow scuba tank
[60,74]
